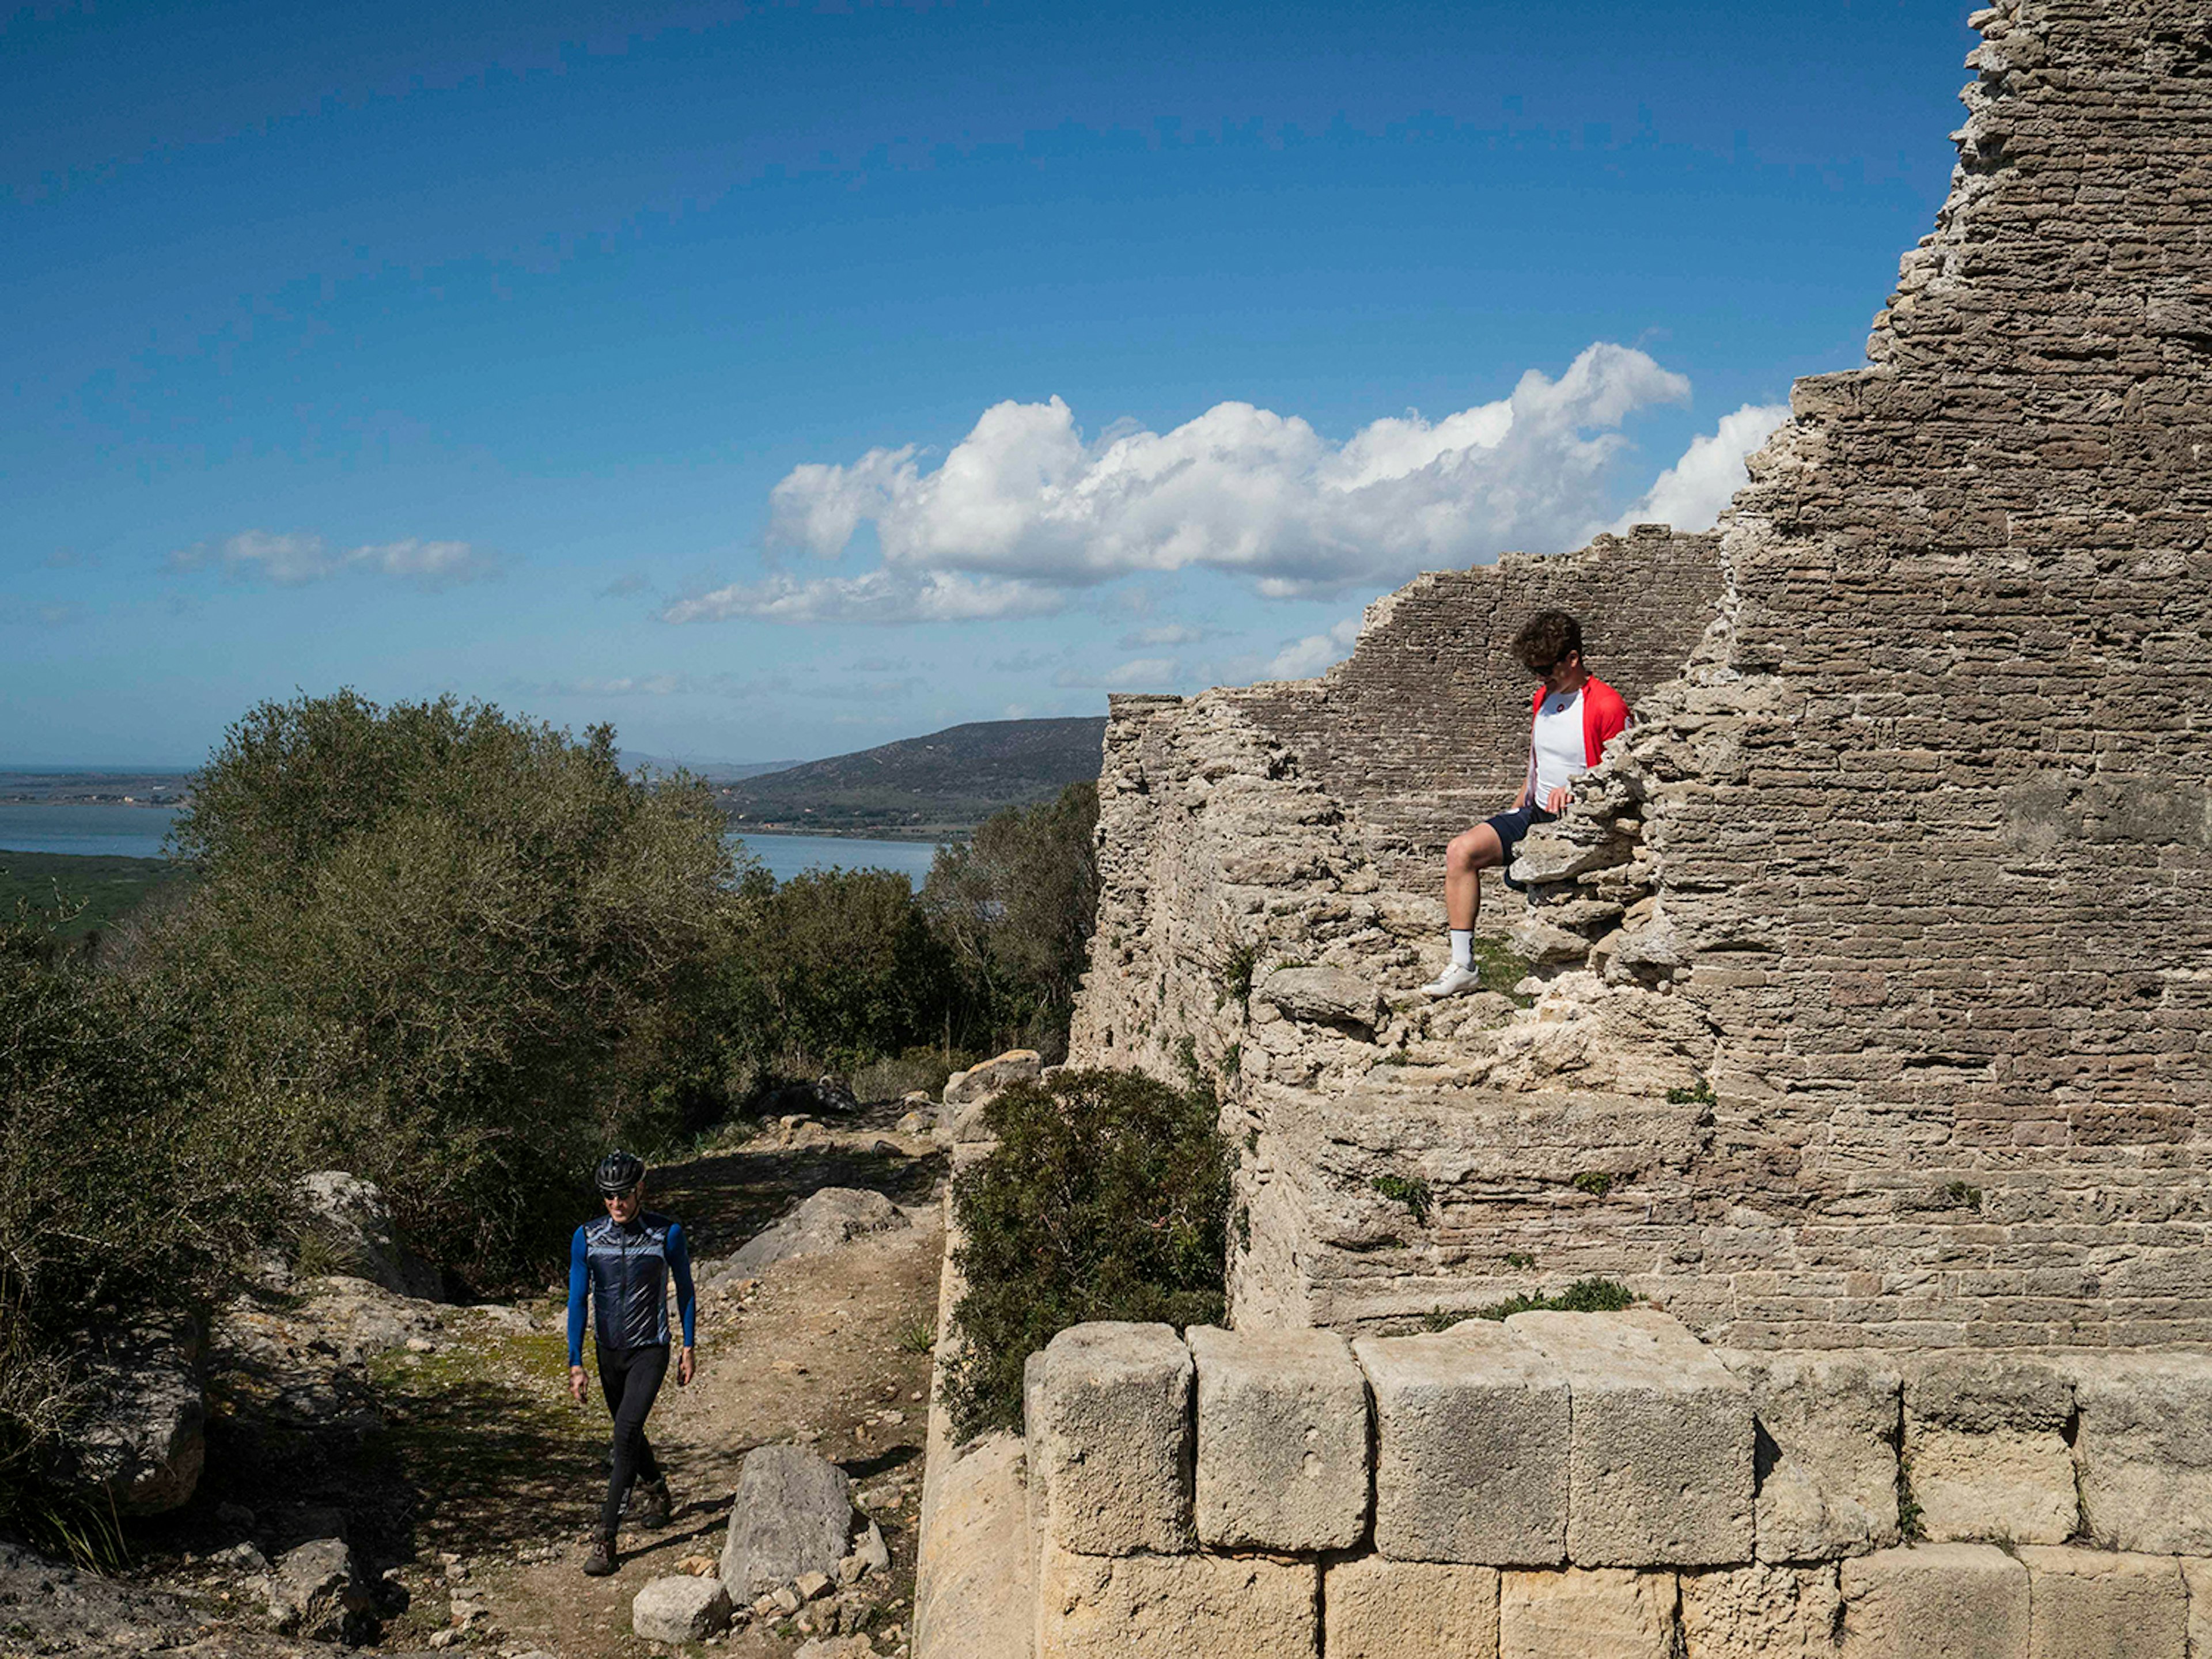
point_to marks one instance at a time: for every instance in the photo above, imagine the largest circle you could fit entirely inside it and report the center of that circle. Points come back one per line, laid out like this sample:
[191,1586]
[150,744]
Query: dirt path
[828,1350]
[484,1479]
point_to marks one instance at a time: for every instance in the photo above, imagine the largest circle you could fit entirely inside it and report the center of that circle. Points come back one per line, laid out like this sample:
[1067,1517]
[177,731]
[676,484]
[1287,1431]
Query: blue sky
[776,381]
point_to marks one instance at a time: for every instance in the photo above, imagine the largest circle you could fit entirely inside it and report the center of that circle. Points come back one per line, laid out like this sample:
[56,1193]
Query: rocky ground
[440,1441]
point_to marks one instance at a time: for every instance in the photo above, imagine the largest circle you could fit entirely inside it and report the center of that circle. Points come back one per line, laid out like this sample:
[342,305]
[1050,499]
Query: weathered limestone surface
[1112,1438]
[2099,1604]
[1829,1428]
[2144,1445]
[1660,1465]
[1910,841]
[1472,1445]
[1986,1434]
[1195,1606]
[1282,1440]
[1374,1608]
[2197,1576]
[680,1609]
[1760,1612]
[1936,1601]
[1597,1613]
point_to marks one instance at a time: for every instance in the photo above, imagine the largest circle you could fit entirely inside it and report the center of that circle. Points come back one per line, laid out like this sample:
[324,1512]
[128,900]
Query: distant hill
[712,771]
[947,783]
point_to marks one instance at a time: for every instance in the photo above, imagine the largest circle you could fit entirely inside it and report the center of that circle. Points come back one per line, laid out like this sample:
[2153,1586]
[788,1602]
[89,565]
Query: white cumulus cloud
[1303,658]
[295,558]
[1140,674]
[1690,495]
[1025,508]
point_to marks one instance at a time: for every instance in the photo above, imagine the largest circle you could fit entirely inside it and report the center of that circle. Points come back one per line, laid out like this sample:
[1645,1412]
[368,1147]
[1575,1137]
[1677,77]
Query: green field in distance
[107,888]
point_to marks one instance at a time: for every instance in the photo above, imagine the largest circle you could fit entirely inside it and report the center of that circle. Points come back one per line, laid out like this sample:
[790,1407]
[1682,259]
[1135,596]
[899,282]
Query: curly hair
[1545,638]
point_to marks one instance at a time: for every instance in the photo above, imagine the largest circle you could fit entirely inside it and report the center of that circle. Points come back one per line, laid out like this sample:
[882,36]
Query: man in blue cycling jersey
[624,1261]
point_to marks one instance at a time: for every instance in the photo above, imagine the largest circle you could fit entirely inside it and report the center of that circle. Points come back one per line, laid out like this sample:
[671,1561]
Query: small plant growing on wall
[1701,1094]
[1413,1195]
[1595,1182]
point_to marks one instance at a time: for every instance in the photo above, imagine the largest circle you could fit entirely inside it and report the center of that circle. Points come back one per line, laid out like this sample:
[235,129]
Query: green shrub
[1107,1197]
[131,1179]
[1015,905]
[1596,1183]
[465,951]
[832,969]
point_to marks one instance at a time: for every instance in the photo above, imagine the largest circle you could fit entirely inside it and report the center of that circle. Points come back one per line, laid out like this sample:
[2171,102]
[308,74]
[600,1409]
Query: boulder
[141,1438]
[827,1218]
[1322,996]
[824,1095]
[1003,1071]
[350,1217]
[792,1514]
[680,1609]
[314,1592]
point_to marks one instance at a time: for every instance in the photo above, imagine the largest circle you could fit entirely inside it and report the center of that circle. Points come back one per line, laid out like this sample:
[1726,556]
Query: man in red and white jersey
[1573,715]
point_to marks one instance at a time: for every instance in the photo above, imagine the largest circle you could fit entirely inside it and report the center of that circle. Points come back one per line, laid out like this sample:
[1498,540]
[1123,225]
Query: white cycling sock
[1463,940]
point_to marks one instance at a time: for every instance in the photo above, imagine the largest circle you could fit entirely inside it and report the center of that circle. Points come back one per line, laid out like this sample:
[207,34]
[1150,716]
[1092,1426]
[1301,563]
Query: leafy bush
[1584,1295]
[465,950]
[1107,1197]
[832,968]
[1016,906]
[131,1179]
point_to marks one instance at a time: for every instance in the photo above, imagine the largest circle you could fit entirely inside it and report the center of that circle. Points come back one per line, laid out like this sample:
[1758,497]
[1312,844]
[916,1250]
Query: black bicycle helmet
[618,1172]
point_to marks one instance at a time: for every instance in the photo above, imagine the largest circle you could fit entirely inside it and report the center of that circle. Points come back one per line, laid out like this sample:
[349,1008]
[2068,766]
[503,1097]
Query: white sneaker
[1454,980]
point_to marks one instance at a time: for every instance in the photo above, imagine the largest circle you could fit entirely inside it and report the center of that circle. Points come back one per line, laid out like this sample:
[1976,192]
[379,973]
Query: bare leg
[1469,854]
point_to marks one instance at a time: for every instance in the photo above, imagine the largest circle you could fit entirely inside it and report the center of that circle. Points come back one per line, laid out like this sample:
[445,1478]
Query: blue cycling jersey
[625,1268]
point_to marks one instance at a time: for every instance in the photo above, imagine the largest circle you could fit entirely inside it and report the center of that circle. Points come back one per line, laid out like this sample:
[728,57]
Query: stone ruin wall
[1870,974]
[1424,729]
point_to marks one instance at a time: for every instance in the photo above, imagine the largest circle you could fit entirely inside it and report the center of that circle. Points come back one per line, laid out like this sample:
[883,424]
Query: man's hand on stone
[1555,801]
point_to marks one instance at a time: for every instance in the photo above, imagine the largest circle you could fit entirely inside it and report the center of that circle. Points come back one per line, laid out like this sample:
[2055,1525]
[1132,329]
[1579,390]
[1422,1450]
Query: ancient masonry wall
[1869,988]
[1565,1485]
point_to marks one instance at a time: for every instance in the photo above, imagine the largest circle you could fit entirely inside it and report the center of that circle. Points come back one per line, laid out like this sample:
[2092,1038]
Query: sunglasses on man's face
[620,1198]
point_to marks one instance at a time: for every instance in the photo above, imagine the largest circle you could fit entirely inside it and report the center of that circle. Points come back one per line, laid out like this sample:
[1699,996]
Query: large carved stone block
[1375,1608]
[1114,1446]
[2144,1448]
[1586,1613]
[1195,1606]
[1472,1442]
[1827,1456]
[1986,1436]
[1282,1440]
[2104,1604]
[1661,1466]
[1936,1601]
[1760,1611]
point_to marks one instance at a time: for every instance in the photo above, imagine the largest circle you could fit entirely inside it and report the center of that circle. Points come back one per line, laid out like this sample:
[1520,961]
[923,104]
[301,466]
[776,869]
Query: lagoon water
[136,832]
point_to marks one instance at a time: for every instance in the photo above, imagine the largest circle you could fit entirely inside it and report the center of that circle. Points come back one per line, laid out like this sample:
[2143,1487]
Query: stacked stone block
[1567,1486]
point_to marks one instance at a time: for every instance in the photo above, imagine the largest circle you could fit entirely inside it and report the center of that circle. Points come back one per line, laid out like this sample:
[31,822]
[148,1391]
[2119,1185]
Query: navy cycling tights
[630,1378]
